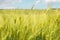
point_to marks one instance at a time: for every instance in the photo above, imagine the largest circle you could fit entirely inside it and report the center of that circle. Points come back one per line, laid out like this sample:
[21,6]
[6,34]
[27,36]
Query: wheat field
[29,25]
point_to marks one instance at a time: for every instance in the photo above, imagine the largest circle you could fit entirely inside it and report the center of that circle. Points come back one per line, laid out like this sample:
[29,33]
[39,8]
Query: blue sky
[26,4]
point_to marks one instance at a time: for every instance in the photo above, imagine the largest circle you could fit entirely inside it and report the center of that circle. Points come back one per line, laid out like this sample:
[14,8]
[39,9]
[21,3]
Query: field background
[30,24]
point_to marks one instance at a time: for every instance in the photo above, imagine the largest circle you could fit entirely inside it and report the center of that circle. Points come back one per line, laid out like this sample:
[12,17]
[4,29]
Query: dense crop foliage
[29,25]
